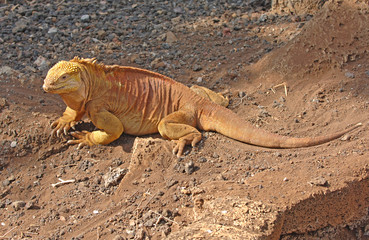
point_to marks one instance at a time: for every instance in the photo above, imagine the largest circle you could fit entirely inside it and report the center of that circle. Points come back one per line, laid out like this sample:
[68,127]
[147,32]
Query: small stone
[197,68]
[319,181]
[13,144]
[170,37]
[263,18]
[118,237]
[367,73]
[199,80]
[171,183]
[350,75]
[5,70]
[285,179]
[178,10]
[17,205]
[85,18]
[6,182]
[113,177]
[52,30]
[157,63]
[20,26]
[42,63]
[189,167]
[31,205]
[346,137]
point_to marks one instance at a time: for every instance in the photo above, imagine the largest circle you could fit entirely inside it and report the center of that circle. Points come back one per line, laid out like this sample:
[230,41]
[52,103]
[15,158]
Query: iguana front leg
[68,120]
[180,126]
[110,129]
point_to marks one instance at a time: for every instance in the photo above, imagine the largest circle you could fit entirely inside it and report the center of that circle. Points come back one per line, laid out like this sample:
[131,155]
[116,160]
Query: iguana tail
[215,118]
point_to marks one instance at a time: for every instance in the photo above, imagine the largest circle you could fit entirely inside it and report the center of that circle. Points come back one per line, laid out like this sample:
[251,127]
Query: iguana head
[63,77]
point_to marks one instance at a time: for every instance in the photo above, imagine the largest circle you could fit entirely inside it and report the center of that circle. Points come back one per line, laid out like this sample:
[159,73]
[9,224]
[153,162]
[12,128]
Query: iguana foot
[192,139]
[61,126]
[83,139]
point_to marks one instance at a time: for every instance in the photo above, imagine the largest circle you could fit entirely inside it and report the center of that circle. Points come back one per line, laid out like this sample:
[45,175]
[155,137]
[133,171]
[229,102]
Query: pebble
[349,75]
[197,68]
[319,181]
[85,18]
[113,177]
[13,144]
[170,37]
[17,205]
[189,167]
[52,30]
[6,70]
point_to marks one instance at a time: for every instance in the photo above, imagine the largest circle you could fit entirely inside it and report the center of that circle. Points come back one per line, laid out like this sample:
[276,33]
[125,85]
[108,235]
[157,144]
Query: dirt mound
[335,37]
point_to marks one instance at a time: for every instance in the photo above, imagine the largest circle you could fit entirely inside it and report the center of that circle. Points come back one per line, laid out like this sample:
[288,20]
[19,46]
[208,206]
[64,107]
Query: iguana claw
[61,126]
[82,139]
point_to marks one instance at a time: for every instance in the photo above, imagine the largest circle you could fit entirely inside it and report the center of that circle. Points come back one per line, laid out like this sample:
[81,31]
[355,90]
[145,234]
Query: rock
[197,68]
[346,137]
[17,205]
[31,205]
[263,18]
[319,181]
[3,103]
[157,63]
[170,37]
[176,20]
[349,75]
[52,30]
[112,178]
[199,80]
[367,73]
[118,237]
[42,63]
[13,144]
[189,167]
[20,26]
[85,18]
[5,70]
[178,10]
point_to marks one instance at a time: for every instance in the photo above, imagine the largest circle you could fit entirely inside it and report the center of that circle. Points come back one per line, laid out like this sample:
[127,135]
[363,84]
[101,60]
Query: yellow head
[63,77]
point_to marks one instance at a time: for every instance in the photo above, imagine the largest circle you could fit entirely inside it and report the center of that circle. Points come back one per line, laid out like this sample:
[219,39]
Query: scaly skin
[135,101]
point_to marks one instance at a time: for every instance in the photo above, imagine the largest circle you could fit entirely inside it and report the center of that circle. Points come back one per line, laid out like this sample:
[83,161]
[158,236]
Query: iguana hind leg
[179,126]
[217,98]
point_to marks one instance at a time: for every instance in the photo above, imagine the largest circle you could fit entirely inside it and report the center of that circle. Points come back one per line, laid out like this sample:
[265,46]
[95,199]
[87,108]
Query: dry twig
[62,182]
[3,236]
[284,84]
[162,217]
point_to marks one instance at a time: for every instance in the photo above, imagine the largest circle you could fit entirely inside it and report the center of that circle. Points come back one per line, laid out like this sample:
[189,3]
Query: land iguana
[121,99]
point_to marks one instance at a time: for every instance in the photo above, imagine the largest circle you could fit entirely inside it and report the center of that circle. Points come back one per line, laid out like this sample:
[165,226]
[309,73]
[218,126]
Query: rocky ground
[135,188]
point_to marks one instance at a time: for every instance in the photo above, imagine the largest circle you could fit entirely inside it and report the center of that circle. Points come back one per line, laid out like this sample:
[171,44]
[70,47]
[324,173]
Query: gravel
[37,34]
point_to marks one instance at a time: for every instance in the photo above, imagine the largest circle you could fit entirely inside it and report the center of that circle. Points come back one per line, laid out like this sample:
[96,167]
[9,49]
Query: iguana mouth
[48,88]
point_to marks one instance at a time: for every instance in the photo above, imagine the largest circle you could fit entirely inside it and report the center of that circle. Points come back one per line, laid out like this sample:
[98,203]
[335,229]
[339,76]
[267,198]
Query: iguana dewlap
[135,101]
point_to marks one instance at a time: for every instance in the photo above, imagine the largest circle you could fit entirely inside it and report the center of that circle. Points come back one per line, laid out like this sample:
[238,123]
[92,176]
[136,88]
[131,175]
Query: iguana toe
[82,139]
[178,149]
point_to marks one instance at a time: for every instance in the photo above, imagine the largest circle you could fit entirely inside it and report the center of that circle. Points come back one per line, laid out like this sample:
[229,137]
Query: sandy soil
[135,188]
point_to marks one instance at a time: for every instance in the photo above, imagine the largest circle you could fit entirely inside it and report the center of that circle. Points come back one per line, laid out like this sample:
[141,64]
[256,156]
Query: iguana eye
[64,77]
